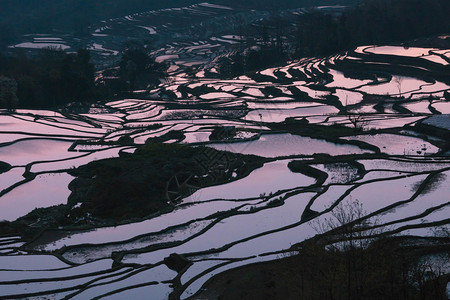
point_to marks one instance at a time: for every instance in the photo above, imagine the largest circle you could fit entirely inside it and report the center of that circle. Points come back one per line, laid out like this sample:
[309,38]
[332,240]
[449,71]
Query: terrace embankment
[135,186]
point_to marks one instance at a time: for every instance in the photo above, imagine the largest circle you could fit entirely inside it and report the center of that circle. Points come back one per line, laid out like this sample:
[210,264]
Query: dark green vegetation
[153,178]
[318,33]
[342,263]
[222,133]
[54,78]
[283,4]
[137,69]
[386,270]
[29,16]
[372,22]
[125,216]
[49,79]
[135,186]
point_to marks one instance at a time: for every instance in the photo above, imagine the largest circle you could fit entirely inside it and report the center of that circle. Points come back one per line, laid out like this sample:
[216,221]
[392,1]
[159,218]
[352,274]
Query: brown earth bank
[389,269]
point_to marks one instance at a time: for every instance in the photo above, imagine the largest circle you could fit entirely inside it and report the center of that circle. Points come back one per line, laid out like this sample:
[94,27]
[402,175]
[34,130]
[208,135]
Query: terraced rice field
[399,175]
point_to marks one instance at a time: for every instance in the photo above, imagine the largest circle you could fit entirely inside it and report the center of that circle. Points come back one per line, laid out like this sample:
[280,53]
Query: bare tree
[427,275]
[348,233]
[358,121]
[398,80]
[347,228]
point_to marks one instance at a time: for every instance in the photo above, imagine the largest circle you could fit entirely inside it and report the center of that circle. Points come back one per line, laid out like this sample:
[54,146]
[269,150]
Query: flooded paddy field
[322,136]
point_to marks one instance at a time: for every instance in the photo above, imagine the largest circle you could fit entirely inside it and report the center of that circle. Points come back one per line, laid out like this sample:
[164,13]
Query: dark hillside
[70,15]
[29,16]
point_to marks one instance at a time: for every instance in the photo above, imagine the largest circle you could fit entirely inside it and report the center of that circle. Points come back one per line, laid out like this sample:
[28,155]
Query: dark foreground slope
[389,269]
